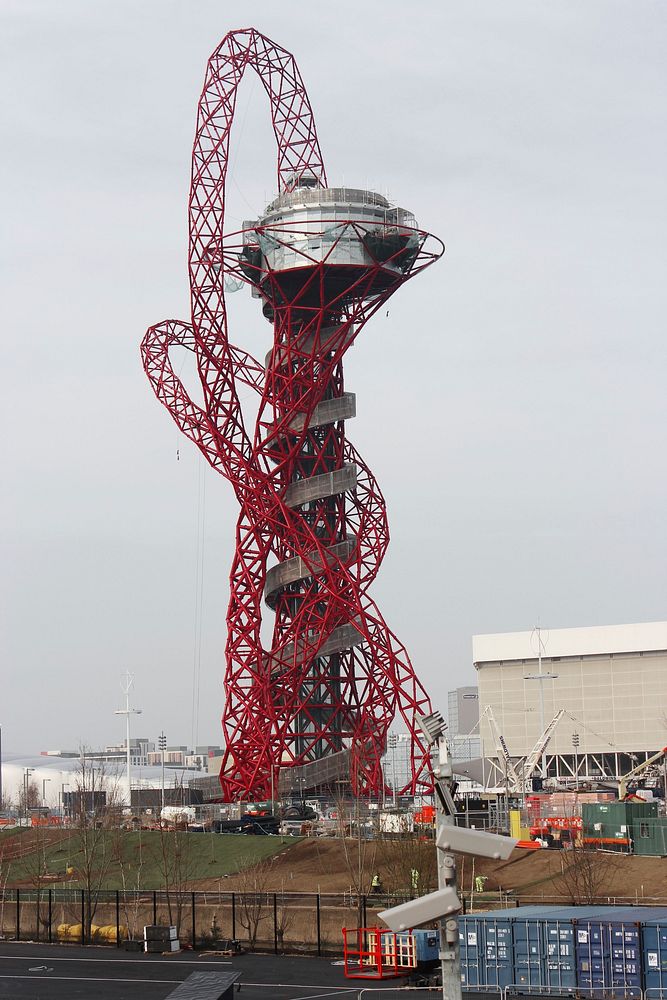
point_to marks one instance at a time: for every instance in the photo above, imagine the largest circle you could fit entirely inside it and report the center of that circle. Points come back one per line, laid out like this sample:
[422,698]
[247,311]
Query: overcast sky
[512,405]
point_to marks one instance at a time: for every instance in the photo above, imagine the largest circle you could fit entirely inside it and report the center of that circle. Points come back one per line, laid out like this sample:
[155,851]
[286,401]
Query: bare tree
[94,814]
[37,871]
[406,859]
[284,916]
[130,879]
[585,872]
[28,798]
[5,868]
[359,851]
[174,858]
[253,881]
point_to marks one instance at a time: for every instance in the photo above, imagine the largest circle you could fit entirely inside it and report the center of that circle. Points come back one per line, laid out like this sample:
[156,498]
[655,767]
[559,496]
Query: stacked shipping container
[594,948]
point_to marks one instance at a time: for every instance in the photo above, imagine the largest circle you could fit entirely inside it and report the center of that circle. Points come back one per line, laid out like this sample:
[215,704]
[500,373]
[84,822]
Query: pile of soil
[318,865]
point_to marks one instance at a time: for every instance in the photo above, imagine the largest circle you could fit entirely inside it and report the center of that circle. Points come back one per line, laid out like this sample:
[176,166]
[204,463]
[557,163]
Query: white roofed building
[611,682]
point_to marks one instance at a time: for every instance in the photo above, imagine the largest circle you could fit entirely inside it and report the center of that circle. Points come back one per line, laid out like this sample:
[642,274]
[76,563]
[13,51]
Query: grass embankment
[128,859]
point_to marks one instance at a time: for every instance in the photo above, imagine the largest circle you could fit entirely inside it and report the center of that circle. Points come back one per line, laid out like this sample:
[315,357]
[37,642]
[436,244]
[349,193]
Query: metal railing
[268,921]
[583,992]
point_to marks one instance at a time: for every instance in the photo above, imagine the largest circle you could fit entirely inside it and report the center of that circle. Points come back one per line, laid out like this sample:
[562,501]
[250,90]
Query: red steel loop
[312,528]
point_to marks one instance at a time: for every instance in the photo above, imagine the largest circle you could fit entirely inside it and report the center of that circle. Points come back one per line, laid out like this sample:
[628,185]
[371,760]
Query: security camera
[421,911]
[484,845]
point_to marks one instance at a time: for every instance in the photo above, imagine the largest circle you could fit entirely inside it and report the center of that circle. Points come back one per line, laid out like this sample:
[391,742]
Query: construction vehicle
[626,778]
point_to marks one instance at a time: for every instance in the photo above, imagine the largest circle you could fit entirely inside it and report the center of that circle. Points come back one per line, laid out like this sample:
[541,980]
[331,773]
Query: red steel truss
[312,528]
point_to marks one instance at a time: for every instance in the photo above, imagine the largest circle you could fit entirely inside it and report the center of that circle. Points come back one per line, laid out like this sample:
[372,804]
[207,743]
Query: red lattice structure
[312,528]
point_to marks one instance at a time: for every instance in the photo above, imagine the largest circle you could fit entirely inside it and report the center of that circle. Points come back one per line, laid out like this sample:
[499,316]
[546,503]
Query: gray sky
[512,405]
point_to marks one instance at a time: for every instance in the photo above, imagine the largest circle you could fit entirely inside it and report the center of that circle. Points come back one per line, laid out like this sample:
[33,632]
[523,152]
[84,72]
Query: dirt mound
[318,865]
[546,875]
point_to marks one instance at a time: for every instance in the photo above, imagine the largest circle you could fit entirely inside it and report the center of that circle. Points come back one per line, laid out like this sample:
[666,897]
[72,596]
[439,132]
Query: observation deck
[361,242]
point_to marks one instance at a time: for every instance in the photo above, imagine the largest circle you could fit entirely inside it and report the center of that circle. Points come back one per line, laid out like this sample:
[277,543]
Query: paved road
[59,972]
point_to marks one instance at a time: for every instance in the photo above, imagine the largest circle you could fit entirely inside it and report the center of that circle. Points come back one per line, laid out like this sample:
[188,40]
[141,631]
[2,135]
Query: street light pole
[393,740]
[27,771]
[434,728]
[127,712]
[541,677]
[63,786]
[162,742]
[273,792]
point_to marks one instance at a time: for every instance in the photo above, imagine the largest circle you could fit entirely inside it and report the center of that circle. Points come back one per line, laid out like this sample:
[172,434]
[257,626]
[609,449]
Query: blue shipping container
[427,945]
[654,947]
[560,964]
[600,949]
[500,947]
[609,948]
[486,950]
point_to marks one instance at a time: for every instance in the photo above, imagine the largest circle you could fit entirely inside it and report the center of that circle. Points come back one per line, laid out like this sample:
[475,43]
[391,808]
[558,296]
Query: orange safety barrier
[607,840]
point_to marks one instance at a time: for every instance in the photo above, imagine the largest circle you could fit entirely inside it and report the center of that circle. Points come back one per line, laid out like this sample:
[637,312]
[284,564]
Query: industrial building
[463,723]
[607,683]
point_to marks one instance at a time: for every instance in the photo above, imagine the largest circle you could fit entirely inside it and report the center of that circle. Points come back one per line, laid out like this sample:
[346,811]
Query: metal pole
[163,747]
[27,771]
[127,711]
[450,958]
[273,792]
[543,762]
[127,738]
[393,739]
[541,677]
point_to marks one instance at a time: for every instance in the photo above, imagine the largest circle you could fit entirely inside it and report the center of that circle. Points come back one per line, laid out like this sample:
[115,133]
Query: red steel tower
[312,528]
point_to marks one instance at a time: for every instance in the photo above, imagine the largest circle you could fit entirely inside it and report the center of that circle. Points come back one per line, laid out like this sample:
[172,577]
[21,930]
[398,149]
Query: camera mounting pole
[444,904]
[434,727]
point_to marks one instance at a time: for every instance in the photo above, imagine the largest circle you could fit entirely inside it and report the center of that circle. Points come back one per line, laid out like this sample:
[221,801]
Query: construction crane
[625,778]
[502,753]
[515,783]
[540,747]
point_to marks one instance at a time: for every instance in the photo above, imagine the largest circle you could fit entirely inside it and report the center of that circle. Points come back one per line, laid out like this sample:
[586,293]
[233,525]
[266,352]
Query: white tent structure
[55,776]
